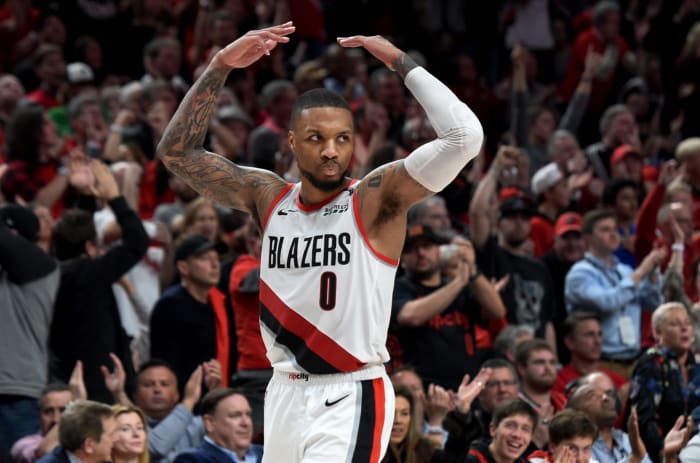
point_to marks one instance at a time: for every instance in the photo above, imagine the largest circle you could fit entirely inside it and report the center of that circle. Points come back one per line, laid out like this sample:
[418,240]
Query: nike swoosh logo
[330,404]
[281,212]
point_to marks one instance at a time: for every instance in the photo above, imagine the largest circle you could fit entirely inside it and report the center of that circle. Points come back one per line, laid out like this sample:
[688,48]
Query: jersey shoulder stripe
[274,204]
[314,341]
[365,238]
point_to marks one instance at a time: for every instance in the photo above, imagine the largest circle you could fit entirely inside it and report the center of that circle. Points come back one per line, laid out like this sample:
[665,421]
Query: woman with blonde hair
[130,439]
[406,444]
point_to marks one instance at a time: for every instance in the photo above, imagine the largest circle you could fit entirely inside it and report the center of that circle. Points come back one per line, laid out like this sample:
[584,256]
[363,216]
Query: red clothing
[542,234]
[221,326]
[646,237]
[46,100]
[600,88]
[557,400]
[24,181]
[150,195]
[251,350]
[696,205]
[569,373]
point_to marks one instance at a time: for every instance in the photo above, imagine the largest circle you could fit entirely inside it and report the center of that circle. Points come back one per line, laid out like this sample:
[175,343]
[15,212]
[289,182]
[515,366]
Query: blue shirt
[620,452]
[609,291]
[251,456]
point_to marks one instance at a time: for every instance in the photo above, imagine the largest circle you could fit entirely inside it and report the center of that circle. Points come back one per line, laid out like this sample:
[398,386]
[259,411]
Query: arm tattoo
[185,133]
[404,64]
[375,181]
[213,176]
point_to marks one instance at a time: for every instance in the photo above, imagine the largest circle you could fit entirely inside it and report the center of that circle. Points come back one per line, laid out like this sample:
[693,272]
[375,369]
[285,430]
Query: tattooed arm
[181,148]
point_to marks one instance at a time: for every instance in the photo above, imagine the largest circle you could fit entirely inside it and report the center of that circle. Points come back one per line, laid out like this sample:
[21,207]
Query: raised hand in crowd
[437,404]
[639,450]
[193,388]
[115,380]
[648,266]
[76,382]
[676,439]
[469,390]
[212,374]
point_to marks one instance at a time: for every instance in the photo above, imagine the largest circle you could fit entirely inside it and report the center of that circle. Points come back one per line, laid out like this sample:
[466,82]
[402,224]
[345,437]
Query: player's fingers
[354,41]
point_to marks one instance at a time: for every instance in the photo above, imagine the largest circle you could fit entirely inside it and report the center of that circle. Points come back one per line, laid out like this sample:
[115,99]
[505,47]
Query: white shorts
[338,418]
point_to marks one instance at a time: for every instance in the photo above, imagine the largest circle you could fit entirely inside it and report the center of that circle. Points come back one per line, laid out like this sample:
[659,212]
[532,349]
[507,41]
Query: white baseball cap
[546,178]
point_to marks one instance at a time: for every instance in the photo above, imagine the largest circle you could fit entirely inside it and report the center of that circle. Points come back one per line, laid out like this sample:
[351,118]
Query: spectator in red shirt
[536,364]
[583,338]
[688,154]
[551,187]
[33,151]
[604,38]
[50,67]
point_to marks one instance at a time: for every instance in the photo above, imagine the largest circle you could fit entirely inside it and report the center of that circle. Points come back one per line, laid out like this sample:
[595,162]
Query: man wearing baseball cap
[551,187]
[501,249]
[189,324]
[568,248]
[431,315]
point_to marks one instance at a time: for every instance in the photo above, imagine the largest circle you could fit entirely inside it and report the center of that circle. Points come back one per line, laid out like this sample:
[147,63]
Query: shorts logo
[298,377]
[335,209]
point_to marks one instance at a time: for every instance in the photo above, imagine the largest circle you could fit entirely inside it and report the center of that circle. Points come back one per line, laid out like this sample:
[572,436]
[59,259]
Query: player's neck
[311,195]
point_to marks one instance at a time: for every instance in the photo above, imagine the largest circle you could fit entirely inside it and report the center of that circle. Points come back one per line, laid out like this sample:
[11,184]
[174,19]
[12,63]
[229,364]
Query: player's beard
[324,185]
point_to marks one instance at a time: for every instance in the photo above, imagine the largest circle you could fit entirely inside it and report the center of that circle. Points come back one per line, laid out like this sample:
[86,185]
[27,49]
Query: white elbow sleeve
[460,135]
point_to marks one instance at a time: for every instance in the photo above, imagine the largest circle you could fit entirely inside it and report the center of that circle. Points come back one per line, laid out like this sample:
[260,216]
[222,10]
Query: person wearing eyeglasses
[469,422]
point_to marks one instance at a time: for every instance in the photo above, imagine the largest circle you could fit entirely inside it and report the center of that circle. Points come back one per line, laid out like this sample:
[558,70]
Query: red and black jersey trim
[368,446]
[313,350]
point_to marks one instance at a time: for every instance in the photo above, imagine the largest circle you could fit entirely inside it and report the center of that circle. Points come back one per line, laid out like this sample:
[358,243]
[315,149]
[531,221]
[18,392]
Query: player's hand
[377,45]
[253,45]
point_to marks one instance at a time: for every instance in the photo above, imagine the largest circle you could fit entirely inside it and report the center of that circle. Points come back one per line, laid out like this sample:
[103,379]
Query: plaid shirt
[22,180]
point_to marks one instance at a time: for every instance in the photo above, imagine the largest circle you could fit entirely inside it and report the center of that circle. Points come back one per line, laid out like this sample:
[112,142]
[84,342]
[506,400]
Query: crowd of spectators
[560,269]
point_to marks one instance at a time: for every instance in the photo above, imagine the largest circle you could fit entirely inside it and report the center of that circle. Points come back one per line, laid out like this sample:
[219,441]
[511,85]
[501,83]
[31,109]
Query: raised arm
[181,149]
[387,193]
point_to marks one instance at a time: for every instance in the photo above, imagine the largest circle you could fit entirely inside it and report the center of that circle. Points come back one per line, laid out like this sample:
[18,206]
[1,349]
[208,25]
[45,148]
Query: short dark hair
[155,363]
[81,420]
[513,407]
[614,188]
[499,363]
[593,217]
[570,423]
[571,322]
[212,399]
[56,386]
[317,98]
[71,232]
[524,349]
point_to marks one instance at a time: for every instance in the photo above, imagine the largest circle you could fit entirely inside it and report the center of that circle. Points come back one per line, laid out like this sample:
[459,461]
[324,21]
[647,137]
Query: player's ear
[290,140]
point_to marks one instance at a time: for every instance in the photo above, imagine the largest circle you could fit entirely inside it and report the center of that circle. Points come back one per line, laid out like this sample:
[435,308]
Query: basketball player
[330,247]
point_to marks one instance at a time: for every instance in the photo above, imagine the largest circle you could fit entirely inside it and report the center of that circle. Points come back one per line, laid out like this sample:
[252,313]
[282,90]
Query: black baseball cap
[193,245]
[517,205]
[420,231]
[21,219]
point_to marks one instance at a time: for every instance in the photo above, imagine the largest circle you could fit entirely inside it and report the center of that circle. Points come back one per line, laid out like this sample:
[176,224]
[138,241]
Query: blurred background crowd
[565,256]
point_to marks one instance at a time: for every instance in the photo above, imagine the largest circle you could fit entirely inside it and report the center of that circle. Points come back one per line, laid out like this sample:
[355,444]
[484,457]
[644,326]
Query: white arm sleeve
[459,133]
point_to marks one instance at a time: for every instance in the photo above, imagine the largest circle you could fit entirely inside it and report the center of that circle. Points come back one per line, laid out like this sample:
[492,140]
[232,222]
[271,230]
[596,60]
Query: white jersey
[325,294]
